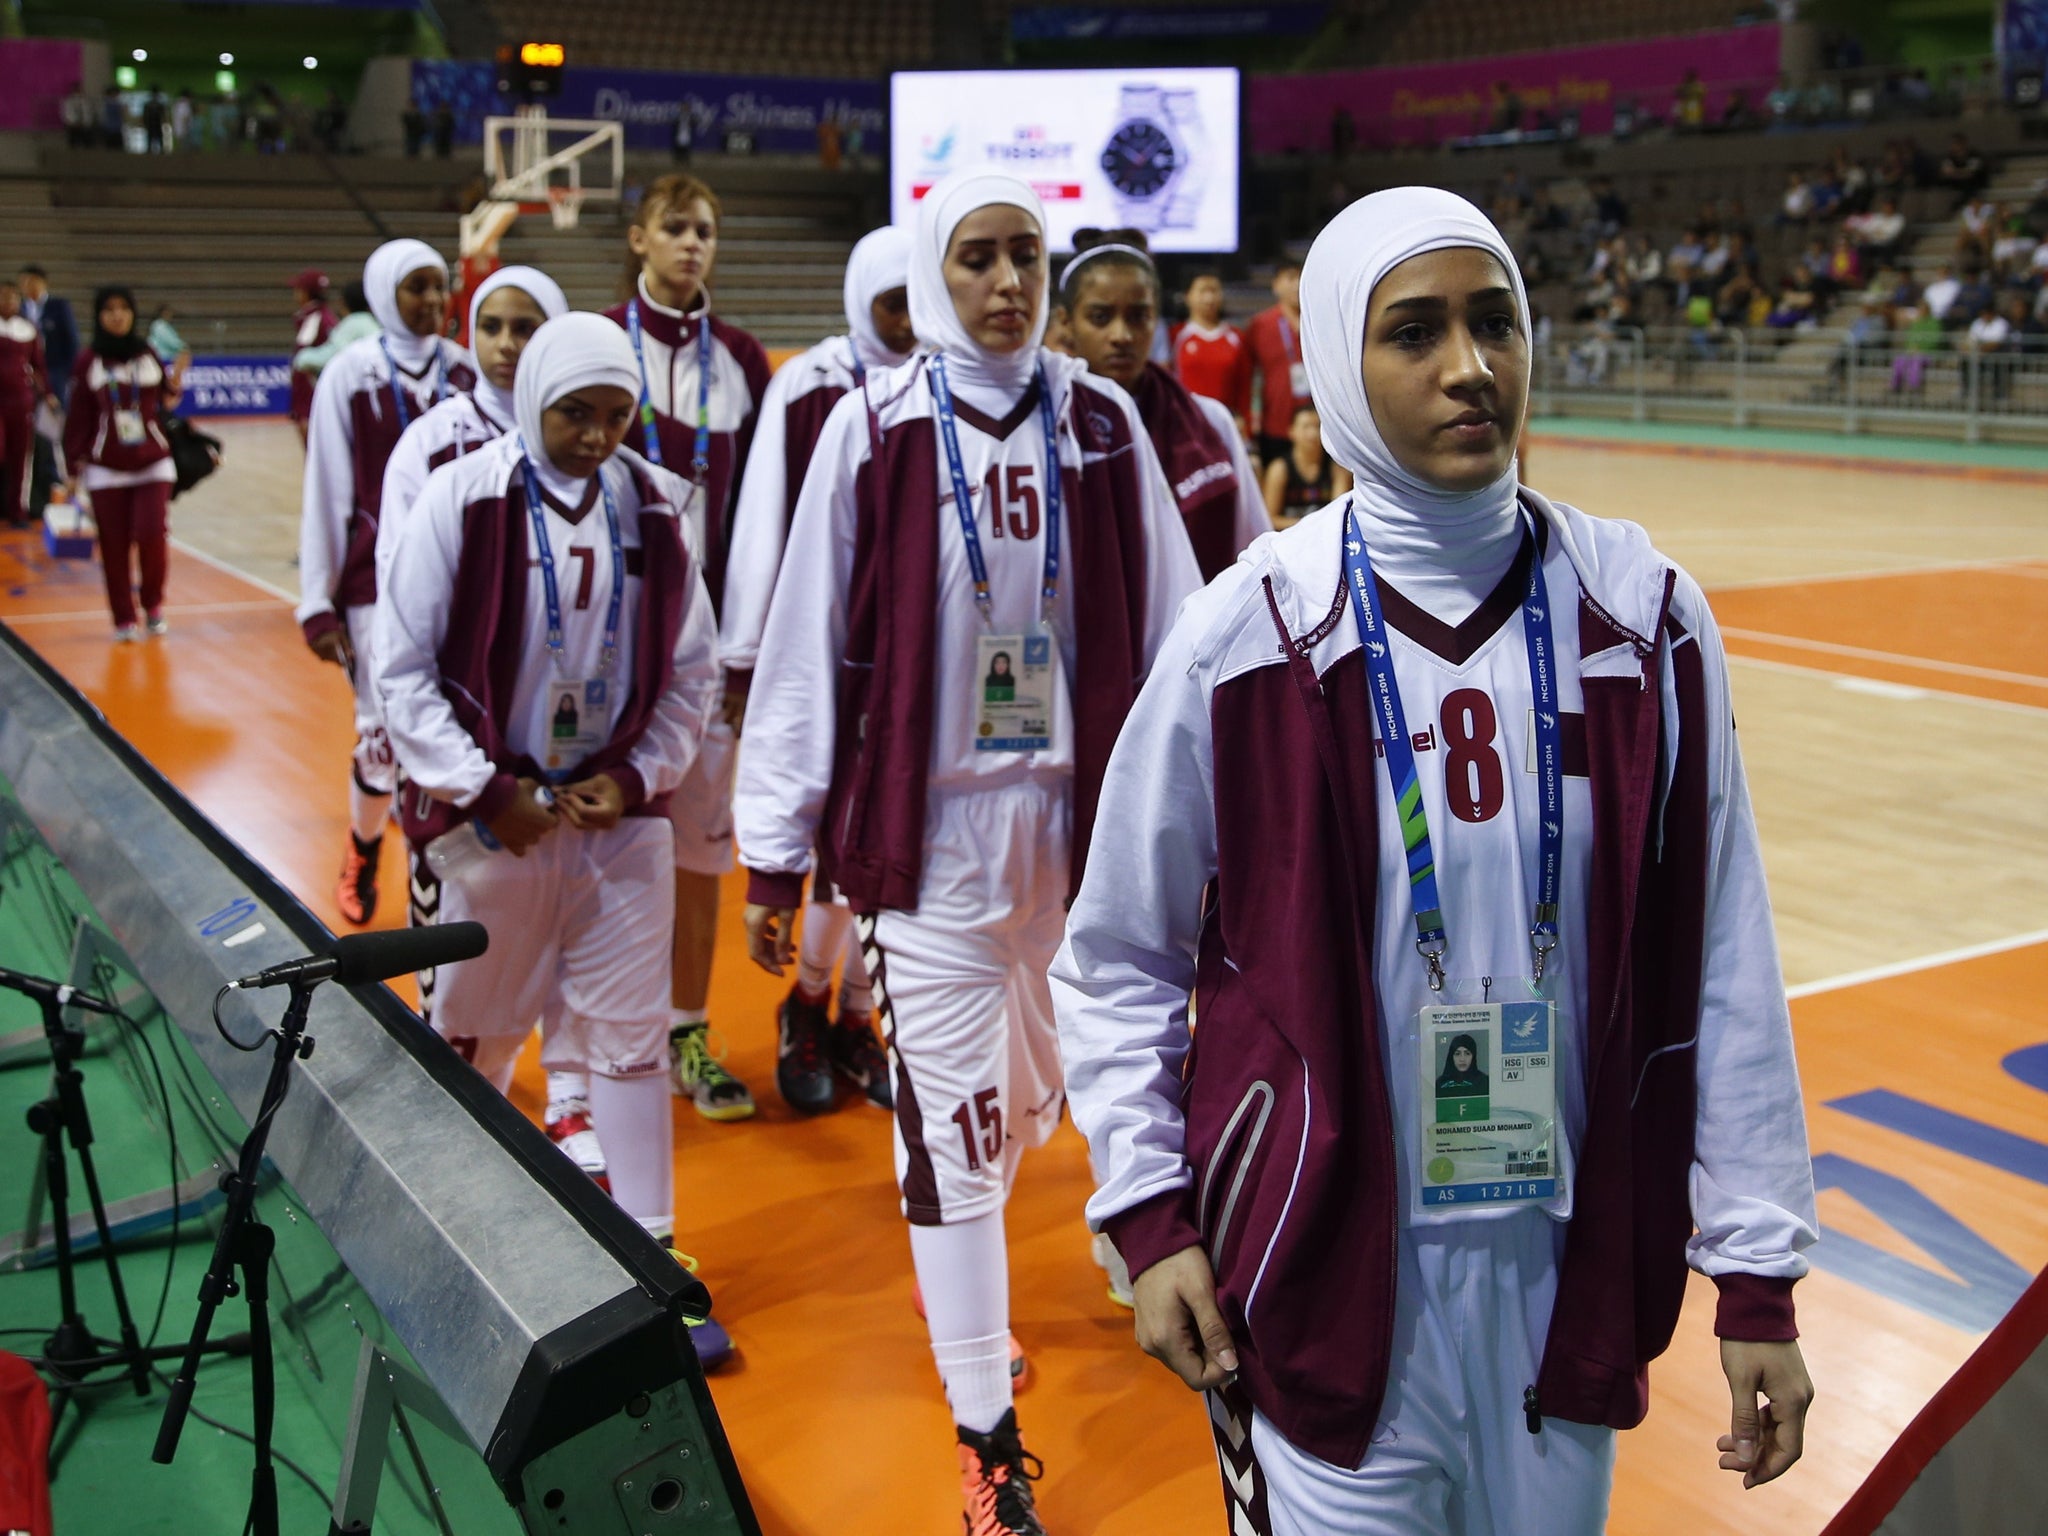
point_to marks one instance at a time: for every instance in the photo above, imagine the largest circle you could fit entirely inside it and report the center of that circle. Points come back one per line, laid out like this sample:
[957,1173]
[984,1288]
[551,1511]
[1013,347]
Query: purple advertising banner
[40,72]
[782,116]
[1421,104]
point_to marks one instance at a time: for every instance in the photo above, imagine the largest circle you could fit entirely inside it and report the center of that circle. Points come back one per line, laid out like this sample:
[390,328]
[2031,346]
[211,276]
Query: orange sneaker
[996,1474]
[356,893]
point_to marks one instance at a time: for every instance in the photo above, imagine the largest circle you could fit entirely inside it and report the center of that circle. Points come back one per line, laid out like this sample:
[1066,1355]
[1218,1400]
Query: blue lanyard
[700,462]
[1430,940]
[544,548]
[860,369]
[963,498]
[398,394]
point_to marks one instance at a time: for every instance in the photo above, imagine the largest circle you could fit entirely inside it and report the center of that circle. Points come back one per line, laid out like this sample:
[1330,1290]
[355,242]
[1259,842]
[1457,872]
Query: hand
[594,804]
[771,937]
[733,709]
[524,822]
[332,645]
[1762,1443]
[1179,1323]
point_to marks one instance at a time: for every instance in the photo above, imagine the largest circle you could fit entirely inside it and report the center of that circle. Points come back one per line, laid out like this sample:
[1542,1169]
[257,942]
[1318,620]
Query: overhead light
[139,55]
[310,62]
[227,58]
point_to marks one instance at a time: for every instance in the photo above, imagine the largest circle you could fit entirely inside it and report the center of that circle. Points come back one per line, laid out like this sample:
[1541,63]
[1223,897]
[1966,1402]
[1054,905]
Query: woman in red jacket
[115,446]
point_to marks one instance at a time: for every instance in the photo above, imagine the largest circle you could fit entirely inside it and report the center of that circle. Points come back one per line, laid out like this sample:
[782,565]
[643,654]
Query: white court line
[221,565]
[2010,565]
[1893,658]
[1855,682]
[265,604]
[1921,963]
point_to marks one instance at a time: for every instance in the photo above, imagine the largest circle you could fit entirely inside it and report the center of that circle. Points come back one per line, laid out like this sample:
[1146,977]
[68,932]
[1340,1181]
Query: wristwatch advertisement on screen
[1155,159]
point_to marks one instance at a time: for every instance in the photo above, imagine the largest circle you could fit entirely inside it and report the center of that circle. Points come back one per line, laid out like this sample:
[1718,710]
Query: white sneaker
[1112,1264]
[127,634]
[568,1126]
[159,625]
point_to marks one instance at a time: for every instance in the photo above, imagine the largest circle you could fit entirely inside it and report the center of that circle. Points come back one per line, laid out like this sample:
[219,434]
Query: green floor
[106,1481]
[1876,449]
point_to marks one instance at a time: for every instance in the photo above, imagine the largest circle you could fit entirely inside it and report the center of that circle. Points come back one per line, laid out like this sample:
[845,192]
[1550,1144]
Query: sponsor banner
[40,72]
[782,116]
[1092,24]
[237,386]
[1420,104]
[1151,149]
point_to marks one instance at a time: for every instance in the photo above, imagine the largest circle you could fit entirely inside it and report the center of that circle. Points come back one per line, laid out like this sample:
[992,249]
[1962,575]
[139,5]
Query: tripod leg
[257,1244]
[131,1339]
[72,1340]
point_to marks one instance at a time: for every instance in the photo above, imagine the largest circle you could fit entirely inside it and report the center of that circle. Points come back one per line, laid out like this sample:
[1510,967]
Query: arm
[792,715]
[315,358]
[669,744]
[81,420]
[405,476]
[438,755]
[325,503]
[760,524]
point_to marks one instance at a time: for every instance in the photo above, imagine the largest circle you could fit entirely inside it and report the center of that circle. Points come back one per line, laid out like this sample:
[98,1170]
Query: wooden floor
[1891,642]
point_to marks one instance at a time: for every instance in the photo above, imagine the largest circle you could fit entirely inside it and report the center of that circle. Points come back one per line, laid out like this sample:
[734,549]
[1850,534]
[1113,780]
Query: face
[1287,287]
[676,249]
[891,314]
[504,325]
[34,287]
[10,301]
[423,301]
[1306,431]
[1113,320]
[583,429]
[1205,299]
[1461,1058]
[995,272]
[117,317]
[1447,367]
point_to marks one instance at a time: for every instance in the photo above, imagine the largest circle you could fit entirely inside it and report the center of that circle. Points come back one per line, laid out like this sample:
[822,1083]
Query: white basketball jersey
[1470,714]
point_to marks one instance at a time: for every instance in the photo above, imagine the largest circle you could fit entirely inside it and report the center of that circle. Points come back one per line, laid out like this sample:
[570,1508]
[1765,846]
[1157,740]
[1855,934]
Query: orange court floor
[1890,646]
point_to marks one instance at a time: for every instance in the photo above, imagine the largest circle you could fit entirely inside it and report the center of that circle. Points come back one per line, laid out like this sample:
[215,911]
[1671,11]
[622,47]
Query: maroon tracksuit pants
[17,457]
[136,517]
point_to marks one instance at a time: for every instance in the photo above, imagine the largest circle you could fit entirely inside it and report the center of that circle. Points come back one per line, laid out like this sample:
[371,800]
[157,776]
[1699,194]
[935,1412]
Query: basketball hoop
[565,206]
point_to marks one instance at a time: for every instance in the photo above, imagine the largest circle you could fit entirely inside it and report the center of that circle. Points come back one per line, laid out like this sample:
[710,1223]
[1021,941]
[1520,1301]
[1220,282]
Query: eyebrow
[1437,301]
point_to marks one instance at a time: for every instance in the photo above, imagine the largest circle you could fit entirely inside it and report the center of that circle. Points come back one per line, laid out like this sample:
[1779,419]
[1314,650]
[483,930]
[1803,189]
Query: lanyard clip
[1432,952]
[1543,937]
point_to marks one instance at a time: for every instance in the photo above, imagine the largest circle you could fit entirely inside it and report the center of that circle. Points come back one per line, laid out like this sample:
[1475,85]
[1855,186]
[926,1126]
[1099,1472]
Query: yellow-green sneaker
[697,1073]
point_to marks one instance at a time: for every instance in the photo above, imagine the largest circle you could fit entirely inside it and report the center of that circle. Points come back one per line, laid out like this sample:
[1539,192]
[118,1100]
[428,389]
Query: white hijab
[389,265]
[566,355]
[537,286]
[1415,530]
[932,314]
[880,262]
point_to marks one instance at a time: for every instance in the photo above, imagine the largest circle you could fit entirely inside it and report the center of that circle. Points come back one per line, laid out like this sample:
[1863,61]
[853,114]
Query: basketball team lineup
[621,609]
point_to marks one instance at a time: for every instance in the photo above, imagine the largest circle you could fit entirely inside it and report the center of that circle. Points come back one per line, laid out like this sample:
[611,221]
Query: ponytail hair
[662,194]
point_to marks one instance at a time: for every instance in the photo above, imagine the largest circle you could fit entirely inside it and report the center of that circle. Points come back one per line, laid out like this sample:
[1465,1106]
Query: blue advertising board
[782,116]
[237,386]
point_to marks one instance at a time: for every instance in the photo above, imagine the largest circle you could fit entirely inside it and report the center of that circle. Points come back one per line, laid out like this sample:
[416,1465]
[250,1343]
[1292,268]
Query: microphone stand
[74,1351]
[246,1244]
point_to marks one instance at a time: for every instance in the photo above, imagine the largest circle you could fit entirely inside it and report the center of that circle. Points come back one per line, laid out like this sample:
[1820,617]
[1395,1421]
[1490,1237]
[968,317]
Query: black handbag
[195,454]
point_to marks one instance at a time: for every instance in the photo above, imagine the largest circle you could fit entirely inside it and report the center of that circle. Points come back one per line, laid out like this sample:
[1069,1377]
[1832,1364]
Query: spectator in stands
[1784,103]
[1815,264]
[1796,205]
[444,130]
[1976,295]
[181,120]
[1877,233]
[1682,265]
[1275,337]
[1796,302]
[1985,344]
[330,127]
[1919,339]
[1303,478]
[1940,294]
[1736,113]
[413,125]
[1210,355]
[1845,262]
[1507,109]
[1644,264]
[115,447]
[683,139]
[24,384]
[154,112]
[1962,168]
[1978,222]
[78,116]
[223,122]
[1610,213]
[2012,253]
[113,118]
[1689,104]
[1737,296]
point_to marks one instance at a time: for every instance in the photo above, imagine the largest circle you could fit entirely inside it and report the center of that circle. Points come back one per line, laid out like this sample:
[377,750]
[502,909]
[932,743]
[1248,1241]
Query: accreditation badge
[1489,1104]
[128,428]
[1013,692]
[579,722]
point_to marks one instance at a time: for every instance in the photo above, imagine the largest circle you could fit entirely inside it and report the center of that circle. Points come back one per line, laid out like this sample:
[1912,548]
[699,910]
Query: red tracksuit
[23,382]
[115,446]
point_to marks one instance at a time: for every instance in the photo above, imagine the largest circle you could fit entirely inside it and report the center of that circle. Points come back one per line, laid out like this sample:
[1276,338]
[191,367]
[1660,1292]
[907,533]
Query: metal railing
[1840,380]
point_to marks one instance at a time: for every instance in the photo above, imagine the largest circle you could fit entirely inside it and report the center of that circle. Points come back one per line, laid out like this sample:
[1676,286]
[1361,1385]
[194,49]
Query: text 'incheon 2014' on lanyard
[963,496]
[1430,937]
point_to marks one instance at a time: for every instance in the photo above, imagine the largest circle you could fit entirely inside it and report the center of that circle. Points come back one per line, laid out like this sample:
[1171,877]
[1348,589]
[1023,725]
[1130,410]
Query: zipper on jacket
[1531,1414]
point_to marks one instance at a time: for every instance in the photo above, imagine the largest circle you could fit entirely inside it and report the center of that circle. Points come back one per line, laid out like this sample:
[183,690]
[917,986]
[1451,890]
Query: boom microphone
[365,957]
[65,995]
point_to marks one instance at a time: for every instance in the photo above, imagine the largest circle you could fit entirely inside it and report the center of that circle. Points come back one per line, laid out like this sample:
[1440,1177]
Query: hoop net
[565,206]
[533,171]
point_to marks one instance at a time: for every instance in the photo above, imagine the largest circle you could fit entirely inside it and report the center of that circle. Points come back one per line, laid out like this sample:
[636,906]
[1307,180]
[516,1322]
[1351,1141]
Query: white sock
[631,1118]
[818,946]
[496,1056]
[366,812]
[564,1086]
[679,1017]
[856,991]
[964,1272]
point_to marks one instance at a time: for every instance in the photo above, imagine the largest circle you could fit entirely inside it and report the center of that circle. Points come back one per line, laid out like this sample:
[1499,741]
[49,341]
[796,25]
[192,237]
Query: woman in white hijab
[984,557]
[817,1052]
[365,400]
[1445,763]
[547,664]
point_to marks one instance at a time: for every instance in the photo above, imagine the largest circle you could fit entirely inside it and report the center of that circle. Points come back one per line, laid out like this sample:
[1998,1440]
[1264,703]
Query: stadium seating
[824,38]
[1459,29]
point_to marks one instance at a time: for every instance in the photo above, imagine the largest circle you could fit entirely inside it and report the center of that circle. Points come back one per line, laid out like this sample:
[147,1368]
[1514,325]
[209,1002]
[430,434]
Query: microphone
[365,957]
[61,993]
